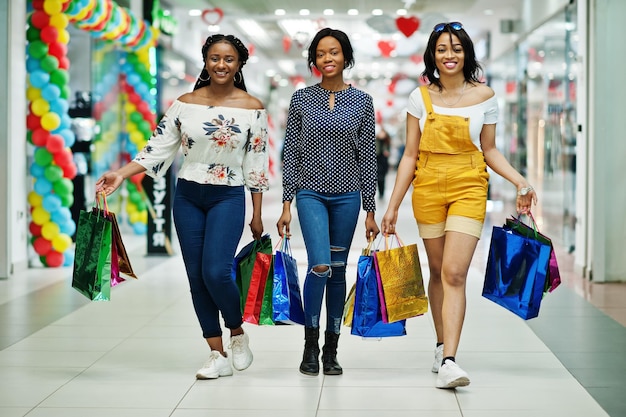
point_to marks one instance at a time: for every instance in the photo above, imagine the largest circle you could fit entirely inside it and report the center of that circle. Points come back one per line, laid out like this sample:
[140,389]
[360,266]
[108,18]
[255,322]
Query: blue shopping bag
[367,319]
[286,300]
[516,272]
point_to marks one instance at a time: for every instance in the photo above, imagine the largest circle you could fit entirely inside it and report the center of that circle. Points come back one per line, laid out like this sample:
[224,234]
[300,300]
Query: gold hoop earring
[238,81]
[208,77]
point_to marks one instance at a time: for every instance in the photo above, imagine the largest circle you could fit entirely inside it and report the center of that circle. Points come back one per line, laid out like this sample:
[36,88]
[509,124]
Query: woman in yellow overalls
[450,141]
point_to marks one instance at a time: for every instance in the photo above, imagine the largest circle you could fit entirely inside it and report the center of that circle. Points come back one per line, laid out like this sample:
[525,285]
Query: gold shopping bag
[400,275]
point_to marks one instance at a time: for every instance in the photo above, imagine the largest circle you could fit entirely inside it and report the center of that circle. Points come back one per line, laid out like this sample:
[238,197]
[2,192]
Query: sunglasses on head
[441,26]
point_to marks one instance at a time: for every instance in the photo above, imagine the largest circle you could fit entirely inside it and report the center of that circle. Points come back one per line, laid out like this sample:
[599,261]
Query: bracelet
[524,190]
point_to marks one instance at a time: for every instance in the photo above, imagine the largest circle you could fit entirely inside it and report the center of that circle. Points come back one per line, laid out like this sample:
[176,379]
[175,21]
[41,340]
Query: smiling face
[329,58]
[449,54]
[222,62]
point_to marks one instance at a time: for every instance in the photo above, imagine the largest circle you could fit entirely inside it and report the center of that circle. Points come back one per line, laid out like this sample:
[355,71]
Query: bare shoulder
[482,92]
[186,98]
[250,102]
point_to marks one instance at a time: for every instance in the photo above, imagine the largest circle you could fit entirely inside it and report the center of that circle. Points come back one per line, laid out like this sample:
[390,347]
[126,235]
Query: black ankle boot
[310,359]
[329,355]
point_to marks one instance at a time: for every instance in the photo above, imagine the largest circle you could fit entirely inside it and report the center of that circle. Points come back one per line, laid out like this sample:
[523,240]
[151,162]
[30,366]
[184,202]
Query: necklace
[456,102]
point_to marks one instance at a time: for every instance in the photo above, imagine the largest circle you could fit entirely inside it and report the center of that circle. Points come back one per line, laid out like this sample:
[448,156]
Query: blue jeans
[209,223]
[327,222]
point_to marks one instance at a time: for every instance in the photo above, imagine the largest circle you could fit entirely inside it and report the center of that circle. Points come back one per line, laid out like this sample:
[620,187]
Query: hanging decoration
[408,25]
[48,122]
[386,48]
[213,16]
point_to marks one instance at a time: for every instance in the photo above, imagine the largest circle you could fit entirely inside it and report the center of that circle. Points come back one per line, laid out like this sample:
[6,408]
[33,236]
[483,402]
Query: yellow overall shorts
[451,178]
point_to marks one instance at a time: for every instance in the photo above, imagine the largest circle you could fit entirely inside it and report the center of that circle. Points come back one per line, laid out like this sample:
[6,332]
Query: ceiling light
[280,12]
[488,12]
[195,12]
[377,12]
[353,12]
[254,31]
[401,12]
[329,12]
[305,12]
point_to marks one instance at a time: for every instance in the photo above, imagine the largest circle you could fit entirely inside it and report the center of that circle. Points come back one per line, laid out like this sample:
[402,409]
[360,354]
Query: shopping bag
[367,319]
[287,299]
[516,272]
[91,275]
[243,265]
[348,307]
[400,275]
[267,309]
[256,289]
[532,231]
[123,260]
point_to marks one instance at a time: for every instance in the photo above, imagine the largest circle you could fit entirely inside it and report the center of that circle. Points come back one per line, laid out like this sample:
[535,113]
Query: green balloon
[141,206]
[59,77]
[32,34]
[67,200]
[43,157]
[135,197]
[144,126]
[29,136]
[66,91]
[53,173]
[63,187]
[136,117]
[49,63]
[37,49]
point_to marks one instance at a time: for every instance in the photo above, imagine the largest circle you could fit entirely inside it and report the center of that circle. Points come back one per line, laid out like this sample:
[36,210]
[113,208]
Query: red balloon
[134,98]
[54,144]
[54,259]
[33,121]
[42,246]
[69,171]
[63,157]
[64,63]
[38,4]
[49,34]
[35,229]
[40,137]
[58,50]
[40,19]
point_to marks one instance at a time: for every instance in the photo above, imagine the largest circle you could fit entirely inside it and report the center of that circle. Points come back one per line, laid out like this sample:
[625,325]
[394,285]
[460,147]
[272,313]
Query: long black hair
[471,67]
[204,79]
[342,38]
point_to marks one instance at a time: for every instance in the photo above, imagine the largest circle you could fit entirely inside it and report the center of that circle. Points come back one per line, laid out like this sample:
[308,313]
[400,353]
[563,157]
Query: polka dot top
[330,150]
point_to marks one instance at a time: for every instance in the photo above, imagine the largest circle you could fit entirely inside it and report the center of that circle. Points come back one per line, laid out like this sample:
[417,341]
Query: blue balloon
[32,64]
[51,92]
[68,227]
[42,186]
[69,137]
[134,80]
[39,78]
[68,257]
[58,106]
[52,203]
[61,216]
[36,170]
[140,228]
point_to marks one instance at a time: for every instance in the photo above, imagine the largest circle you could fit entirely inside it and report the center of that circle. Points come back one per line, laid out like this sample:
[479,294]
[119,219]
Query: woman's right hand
[388,225]
[283,223]
[109,182]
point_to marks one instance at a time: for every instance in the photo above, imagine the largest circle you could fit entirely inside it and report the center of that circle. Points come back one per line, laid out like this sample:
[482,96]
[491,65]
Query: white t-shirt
[485,113]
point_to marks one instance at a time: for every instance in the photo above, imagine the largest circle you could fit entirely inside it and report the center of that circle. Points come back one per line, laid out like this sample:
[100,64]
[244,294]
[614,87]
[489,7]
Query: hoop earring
[208,77]
[240,80]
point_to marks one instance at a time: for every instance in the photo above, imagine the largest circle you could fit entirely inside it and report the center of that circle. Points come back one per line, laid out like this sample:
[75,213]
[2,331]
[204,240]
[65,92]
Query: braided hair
[204,78]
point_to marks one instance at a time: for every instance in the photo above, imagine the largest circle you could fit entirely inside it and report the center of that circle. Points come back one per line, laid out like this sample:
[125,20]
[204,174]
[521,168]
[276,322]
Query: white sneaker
[216,366]
[242,355]
[438,358]
[451,376]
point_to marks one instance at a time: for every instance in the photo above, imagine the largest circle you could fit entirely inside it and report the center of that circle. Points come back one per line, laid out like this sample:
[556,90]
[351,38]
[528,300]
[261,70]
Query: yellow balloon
[134,217]
[144,216]
[63,37]
[61,242]
[131,208]
[129,107]
[136,137]
[35,199]
[41,107]
[52,7]
[50,121]
[50,230]
[33,93]
[40,216]
[59,21]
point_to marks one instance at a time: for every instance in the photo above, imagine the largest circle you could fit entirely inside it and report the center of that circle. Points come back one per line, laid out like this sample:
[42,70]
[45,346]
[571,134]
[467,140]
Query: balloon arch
[124,103]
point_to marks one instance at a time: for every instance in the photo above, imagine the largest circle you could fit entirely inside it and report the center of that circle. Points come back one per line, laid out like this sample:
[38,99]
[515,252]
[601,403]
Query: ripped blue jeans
[327,222]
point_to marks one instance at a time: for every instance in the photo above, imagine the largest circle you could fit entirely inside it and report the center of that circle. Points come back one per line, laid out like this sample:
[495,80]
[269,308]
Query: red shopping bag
[254,298]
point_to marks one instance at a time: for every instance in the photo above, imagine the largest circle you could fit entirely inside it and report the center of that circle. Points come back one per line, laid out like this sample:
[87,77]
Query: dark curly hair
[343,40]
[471,67]
[242,51]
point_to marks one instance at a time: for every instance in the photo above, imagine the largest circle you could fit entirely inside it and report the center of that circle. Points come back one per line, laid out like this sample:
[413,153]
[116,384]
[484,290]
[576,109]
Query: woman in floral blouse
[222,131]
[330,168]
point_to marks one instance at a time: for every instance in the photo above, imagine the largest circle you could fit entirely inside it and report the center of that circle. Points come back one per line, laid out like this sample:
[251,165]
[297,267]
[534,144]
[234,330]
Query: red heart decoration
[212,16]
[386,48]
[407,25]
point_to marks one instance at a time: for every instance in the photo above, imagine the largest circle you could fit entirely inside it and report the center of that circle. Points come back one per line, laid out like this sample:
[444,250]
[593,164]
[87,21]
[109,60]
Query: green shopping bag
[267,308]
[245,265]
[92,260]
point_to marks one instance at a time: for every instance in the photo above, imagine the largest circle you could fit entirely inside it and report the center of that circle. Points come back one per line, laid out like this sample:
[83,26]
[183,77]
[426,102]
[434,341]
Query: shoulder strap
[427,103]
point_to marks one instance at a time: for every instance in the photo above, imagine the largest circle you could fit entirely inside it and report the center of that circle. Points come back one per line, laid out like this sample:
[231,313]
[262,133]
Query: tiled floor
[136,355]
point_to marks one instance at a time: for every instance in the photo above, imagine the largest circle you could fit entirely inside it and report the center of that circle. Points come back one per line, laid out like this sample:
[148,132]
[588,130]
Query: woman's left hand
[524,202]
[256,226]
[371,228]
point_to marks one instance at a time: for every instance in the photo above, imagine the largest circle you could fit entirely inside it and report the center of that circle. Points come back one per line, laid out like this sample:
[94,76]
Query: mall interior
[85,83]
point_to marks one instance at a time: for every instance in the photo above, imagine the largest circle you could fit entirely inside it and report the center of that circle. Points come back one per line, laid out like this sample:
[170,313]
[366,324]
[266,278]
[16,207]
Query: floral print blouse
[221,145]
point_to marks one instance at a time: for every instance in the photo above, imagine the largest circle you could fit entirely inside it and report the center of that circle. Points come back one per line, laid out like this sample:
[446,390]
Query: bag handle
[284,245]
[101,202]
[397,239]
[533,222]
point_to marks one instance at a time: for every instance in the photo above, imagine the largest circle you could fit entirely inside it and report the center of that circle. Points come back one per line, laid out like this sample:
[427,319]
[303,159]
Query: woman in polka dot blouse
[330,168]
